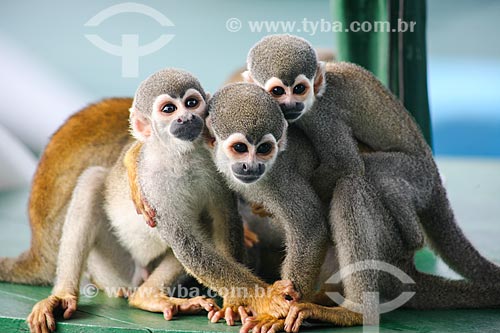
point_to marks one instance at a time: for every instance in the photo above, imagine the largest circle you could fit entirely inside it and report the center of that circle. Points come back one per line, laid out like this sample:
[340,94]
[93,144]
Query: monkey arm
[338,151]
[210,267]
[131,164]
[299,210]
[230,279]
[227,231]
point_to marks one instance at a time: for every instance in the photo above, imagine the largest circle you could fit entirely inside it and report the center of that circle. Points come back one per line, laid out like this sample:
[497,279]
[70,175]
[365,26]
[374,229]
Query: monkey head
[287,67]
[249,131]
[170,105]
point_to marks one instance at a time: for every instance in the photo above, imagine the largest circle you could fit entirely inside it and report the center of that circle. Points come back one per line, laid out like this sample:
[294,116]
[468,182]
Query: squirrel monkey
[338,106]
[242,119]
[102,230]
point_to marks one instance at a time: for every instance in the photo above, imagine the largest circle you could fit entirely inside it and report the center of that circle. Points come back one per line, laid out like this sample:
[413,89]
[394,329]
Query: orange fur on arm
[130,161]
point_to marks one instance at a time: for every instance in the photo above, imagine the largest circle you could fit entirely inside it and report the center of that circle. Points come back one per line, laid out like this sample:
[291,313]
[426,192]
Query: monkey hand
[171,306]
[338,316]
[41,318]
[263,323]
[274,301]
[143,208]
[250,237]
[259,210]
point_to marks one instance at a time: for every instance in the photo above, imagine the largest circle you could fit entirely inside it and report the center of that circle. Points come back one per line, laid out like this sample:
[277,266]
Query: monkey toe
[169,311]
[197,304]
[262,324]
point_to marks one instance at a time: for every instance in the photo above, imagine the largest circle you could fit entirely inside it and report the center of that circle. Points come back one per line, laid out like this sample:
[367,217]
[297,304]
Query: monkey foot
[263,323]
[231,314]
[273,302]
[171,306]
[41,318]
[336,315]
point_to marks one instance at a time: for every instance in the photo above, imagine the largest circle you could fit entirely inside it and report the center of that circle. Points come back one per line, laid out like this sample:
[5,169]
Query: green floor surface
[474,189]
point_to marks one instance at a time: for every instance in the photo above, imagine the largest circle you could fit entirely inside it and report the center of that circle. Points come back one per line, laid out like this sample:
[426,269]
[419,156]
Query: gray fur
[253,108]
[181,185]
[379,198]
[174,82]
[282,56]
[285,190]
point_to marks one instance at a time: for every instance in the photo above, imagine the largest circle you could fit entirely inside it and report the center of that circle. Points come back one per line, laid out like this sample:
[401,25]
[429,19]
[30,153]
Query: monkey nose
[248,173]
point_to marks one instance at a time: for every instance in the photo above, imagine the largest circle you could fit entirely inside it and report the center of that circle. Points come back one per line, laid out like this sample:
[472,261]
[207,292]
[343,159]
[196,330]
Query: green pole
[397,58]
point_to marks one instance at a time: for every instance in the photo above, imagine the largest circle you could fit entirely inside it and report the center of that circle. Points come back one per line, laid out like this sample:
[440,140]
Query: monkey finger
[151,222]
[51,322]
[69,304]
[298,322]
[243,314]
[276,327]
[211,313]
[248,325]
[170,311]
[230,316]
[217,316]
[210,305]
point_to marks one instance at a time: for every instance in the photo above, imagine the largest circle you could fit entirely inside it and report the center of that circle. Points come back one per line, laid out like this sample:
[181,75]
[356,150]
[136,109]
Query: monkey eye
[264,148]
[169,108]
[299,89]
[240,147]
[191,103]
[278,91]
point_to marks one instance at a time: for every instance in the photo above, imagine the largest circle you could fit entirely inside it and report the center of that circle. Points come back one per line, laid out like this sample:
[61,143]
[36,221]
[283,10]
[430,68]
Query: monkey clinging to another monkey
[242,119]
[341,105]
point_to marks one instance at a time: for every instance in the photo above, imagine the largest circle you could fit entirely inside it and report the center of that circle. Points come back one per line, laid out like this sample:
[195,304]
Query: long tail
[34,267]
[448,240]
[92,136]
[436,292]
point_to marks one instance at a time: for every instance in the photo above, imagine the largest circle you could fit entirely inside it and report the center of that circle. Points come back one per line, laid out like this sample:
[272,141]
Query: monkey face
[179,118]
[248,131]
[247,162]
[294,99]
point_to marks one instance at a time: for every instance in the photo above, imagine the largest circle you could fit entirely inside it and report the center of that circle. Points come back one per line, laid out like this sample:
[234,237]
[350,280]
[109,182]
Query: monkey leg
[110,266]
[84,217]
[424,189]
[362,231]
[150,296]
[404,184]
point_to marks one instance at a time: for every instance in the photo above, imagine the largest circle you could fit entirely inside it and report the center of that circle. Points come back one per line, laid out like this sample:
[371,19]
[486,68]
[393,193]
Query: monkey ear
[247,77]
[319,79]
[210,139]
[284,138]
[140,125]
